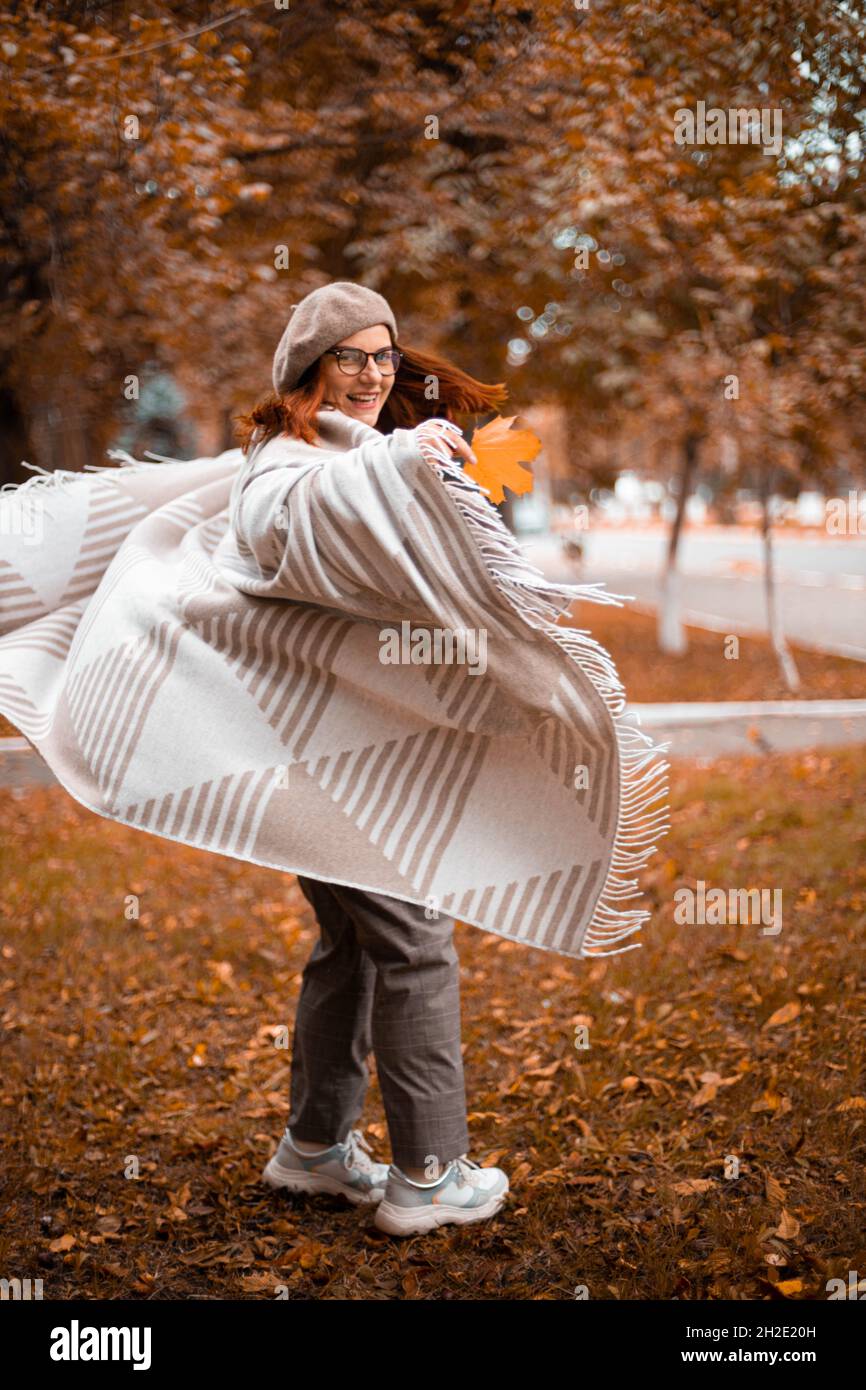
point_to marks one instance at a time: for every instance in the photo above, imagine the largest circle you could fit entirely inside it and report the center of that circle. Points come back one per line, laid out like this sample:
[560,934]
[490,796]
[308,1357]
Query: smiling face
[361,396]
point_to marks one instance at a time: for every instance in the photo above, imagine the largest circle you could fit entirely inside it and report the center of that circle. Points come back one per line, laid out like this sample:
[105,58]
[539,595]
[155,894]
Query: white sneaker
[465,1192]
[345,1170]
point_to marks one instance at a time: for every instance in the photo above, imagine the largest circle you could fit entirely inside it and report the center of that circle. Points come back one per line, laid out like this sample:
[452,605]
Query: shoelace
[357,1150]
[466,1168]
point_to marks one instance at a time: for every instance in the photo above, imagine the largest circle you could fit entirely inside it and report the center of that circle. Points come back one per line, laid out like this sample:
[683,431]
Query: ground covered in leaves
[704,672]
[150,1046]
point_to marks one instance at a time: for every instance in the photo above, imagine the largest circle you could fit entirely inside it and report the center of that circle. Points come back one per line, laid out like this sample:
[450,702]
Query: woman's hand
[440,439]
[461,447]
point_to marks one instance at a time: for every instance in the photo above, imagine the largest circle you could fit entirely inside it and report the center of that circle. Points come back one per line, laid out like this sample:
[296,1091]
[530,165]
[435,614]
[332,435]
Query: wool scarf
[332,660]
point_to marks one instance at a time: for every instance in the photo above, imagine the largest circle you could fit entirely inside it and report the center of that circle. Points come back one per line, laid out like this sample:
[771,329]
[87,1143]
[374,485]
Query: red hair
[408,403]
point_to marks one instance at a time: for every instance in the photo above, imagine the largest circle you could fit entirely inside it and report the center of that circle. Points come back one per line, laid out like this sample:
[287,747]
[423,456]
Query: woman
[138,658]
[384,973]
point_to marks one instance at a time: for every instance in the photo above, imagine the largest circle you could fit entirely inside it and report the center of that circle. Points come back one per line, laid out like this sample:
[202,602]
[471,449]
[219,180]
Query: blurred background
[676,307]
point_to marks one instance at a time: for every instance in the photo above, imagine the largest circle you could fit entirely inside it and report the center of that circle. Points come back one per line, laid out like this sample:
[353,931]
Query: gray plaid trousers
[381,976]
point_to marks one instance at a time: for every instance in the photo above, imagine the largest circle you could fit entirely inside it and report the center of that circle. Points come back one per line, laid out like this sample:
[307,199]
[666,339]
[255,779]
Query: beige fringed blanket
[335,662]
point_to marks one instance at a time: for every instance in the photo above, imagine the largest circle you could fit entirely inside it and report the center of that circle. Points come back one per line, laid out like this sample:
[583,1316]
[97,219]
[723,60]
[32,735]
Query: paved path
[821,581]
[21,765]
[725,729]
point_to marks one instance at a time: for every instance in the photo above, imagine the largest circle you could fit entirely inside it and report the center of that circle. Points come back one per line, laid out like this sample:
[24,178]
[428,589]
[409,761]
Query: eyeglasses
[352,361]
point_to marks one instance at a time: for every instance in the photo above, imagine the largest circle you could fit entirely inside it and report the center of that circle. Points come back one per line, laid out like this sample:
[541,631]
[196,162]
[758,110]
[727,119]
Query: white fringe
[52,480]
[57,477]
[644,776]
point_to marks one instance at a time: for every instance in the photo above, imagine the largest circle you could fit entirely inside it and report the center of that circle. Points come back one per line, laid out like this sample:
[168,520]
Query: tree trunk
[506,511]
[671,634]
[787,664]
[61,436]
[14,440]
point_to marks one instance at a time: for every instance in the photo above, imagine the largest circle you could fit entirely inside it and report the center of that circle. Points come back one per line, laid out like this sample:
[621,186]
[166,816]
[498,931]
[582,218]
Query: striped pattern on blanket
[333,661]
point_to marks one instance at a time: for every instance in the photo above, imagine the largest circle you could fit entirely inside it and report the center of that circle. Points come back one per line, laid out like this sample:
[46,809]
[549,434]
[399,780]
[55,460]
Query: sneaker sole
[276,1176]
[409,1221]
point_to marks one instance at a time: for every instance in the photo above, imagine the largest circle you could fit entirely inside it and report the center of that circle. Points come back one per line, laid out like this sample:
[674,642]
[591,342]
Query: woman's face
[360,396]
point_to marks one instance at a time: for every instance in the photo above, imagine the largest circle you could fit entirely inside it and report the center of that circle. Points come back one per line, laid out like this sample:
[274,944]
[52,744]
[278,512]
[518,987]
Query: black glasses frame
[393,352]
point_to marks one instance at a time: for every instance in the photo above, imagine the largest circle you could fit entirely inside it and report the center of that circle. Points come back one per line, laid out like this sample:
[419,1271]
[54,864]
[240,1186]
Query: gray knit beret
[322,318]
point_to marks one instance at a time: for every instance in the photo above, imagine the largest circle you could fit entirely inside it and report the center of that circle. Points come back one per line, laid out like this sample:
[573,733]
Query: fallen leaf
[708,1092]
[62,1243]
[789,1286]
[308,1253]
[788,1226]
[492,1159]
[258,1282]
[545,1071]
[786,1014]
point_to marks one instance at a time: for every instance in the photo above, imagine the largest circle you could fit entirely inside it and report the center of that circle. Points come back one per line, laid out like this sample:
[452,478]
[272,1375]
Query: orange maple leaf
[500,451]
